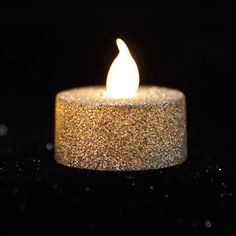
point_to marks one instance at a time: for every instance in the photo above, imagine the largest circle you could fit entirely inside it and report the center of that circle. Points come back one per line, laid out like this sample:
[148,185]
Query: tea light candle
[122,126]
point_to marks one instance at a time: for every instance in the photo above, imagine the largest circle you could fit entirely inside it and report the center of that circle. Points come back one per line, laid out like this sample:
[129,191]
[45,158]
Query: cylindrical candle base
[144,132]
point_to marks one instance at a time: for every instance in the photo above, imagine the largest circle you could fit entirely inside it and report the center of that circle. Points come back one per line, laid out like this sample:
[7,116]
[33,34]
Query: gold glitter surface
[147,131]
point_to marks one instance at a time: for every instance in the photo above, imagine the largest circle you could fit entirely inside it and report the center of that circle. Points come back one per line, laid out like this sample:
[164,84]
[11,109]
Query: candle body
[144,132]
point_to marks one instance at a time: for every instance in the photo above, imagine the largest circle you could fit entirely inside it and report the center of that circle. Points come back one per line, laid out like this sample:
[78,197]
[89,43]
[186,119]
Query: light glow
[123,75]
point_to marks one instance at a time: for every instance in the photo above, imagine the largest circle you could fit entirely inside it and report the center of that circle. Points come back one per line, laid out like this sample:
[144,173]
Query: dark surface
[196,198]
[46,48]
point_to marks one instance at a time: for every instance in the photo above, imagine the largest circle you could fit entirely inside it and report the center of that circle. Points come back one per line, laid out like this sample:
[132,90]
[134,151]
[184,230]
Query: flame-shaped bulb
[123,75]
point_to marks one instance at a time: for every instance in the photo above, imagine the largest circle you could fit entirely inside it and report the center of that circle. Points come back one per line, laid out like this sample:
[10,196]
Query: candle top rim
[95,95]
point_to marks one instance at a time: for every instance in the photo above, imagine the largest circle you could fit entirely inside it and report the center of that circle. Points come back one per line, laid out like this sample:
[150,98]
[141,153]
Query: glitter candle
[122,126]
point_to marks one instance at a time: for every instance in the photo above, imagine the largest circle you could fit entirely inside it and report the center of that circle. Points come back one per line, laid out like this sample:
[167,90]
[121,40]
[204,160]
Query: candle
[123,126]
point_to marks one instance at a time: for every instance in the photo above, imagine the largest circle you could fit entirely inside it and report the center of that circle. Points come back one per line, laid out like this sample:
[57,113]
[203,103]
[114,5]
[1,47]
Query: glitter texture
[147,131]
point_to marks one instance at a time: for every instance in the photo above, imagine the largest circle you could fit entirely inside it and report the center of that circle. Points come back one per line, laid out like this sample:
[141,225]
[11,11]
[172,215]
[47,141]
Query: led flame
[123,75]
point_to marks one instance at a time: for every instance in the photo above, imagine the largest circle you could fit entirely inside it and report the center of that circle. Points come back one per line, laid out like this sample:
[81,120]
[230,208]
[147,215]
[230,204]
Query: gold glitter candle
[122,126]
[144,132]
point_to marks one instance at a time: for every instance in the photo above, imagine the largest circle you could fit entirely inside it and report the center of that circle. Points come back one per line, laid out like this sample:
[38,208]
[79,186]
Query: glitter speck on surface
[223,184]
[194,224]
[207,223]
[3,130]
[49,146]
[15,190]
[147,131]
[55,186]
[23,207]
[87,189]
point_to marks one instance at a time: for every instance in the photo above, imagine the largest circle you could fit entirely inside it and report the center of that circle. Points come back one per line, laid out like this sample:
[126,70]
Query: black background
[49,47]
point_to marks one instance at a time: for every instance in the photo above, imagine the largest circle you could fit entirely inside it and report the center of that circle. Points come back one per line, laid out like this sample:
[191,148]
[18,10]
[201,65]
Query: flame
[123,75]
